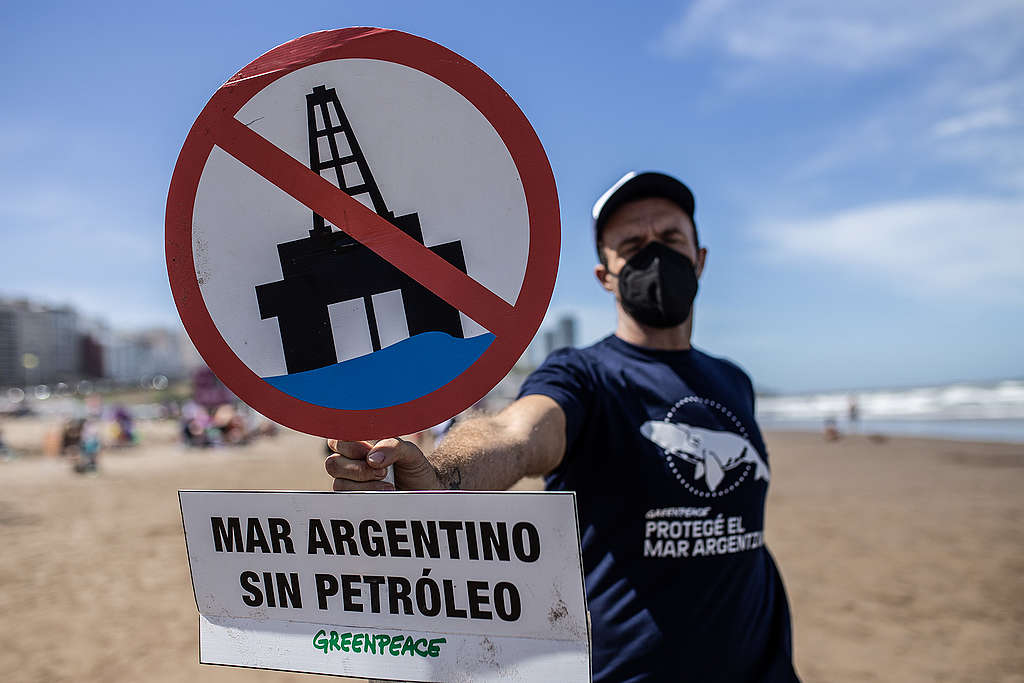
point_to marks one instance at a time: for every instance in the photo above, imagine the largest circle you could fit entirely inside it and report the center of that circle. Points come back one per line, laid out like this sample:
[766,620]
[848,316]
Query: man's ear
[604,278]
[702,255]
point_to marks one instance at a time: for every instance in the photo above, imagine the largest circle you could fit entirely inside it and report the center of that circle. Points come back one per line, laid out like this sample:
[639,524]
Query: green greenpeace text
[383,644]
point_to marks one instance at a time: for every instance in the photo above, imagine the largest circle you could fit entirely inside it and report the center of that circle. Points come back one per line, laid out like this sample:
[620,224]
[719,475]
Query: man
[660,444]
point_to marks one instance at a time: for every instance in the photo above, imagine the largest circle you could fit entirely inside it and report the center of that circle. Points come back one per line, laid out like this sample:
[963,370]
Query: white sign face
[419,586]
[432,154]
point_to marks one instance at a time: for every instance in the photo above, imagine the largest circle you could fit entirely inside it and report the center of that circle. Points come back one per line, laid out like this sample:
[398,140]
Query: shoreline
[967,431]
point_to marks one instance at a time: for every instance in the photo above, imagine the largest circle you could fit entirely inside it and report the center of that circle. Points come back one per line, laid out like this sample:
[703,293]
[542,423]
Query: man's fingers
[412,470]
[347,485]
[340,467]
[393,452]
[361,466]
[354,450]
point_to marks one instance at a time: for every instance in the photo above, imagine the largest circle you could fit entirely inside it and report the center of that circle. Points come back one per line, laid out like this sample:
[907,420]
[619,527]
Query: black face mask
[657,286]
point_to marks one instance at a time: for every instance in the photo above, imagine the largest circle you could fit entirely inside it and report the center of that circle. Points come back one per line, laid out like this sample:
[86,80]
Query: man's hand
[484,453]
[362,466]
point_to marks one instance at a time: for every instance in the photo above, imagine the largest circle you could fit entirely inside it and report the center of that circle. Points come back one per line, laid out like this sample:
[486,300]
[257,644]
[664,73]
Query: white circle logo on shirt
[709,463]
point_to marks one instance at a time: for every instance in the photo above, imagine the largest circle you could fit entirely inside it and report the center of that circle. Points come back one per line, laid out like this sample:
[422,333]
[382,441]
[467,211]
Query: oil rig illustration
[329,266]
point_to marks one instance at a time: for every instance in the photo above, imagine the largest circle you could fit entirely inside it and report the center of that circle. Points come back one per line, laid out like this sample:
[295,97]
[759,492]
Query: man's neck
[663,339]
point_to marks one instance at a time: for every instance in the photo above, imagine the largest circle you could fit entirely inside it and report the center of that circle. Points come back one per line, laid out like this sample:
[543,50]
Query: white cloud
[976,127]
[847,36]
[958,65]
[970,248]
[980,119]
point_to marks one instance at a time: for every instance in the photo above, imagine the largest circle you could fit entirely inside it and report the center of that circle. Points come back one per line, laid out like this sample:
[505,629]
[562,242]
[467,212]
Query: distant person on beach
[659,441]
[831,429]
[853,413]
[71,437]
[89,446]
[194,421]
[125,426]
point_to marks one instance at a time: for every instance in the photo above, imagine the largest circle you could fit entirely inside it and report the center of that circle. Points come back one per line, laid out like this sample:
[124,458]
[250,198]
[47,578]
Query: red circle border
[542,206]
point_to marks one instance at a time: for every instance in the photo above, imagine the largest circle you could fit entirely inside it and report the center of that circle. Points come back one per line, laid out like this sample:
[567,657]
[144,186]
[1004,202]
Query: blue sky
[859,171]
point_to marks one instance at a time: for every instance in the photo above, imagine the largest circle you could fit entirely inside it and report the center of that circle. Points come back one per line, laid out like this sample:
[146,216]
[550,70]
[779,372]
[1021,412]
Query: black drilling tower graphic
[330,266]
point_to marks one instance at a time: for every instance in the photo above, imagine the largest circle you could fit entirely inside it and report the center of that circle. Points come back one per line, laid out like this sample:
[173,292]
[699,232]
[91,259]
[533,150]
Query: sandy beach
[904,560]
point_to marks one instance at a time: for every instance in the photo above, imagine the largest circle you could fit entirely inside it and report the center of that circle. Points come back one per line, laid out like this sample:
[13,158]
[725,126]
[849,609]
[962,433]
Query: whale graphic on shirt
[711,451]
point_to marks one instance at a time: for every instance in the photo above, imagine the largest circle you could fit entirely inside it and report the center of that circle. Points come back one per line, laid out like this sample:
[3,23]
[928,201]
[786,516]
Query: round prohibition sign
[513,326]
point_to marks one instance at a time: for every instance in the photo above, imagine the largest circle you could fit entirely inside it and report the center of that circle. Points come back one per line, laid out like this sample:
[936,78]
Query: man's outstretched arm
[492,452]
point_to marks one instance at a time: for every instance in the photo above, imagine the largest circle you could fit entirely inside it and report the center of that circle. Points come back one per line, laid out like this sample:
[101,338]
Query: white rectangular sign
[418,586]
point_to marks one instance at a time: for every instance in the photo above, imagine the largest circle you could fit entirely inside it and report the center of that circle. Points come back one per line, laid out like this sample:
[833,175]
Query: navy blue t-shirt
[670,474]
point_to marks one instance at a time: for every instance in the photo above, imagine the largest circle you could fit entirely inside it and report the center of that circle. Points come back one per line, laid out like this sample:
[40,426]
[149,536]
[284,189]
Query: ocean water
[396,374]
[967,411]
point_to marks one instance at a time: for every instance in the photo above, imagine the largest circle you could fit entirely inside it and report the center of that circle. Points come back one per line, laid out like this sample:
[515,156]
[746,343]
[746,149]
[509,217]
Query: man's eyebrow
[628,241]
[673,228]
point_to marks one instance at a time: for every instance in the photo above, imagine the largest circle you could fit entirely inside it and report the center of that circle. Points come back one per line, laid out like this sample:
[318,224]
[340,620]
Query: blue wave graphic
[397,374]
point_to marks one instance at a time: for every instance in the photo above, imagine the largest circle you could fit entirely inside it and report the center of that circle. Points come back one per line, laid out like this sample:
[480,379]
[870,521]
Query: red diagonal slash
[364,225]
